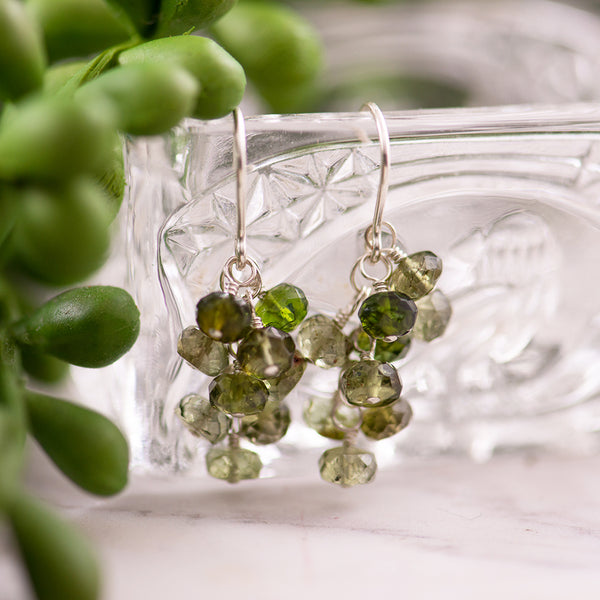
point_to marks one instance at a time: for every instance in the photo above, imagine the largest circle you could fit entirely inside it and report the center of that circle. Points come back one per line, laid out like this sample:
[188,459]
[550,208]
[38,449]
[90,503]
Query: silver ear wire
[384,144]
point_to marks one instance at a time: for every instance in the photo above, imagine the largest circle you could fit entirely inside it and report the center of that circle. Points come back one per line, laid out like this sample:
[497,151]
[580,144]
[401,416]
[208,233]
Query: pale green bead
[416,275]
[268,426]
[370,383]
[319,412]
[381,423]
[266,352]
[433,317]
[203,419]
[238,393]
[321,341]
[202,352]
[347,466]
[233,464]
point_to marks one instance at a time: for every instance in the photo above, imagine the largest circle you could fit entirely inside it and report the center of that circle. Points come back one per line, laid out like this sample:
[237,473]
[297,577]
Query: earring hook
[384,143]
[240,164]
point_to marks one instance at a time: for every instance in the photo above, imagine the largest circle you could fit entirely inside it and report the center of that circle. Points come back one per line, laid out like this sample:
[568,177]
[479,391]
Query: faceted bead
[434,314]
[238,393]
[347,466]
[387,314]
[322,342]
[384,351]
[269,426]
[233,464]
[370,383]
[266,352]
[203,419]
[224,317]
[416,274]
[381,423]
[202,352]
[280,387]
[283,307]
[318,414]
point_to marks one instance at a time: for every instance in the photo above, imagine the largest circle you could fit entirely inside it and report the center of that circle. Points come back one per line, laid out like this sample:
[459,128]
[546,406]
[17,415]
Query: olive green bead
[384,351]
[434,315]
[238,393]
[283,307]
[224,317]
[416,274]
[279,387]
[381,423]
[233,464]
[322,342]
[202,352]
[387,314]
[347,466]
[266,352]
[370,383]
[268,426]
[202,419]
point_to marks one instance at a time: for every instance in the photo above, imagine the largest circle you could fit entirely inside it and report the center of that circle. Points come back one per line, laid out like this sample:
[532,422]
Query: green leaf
[142,14]
[43,367]
[89,326]
[59,560]
[181,16]
[84,445]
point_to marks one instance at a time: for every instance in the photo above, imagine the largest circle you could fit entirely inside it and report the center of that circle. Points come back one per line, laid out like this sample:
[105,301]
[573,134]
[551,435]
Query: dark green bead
[347,466]
[384,351]
[387,315]
[283,307]
[202,352]
[238,393]
[280,387]
[224,317]
[266,352]
[370,383]
[269,426]
[416,274]
[381,423]
[233,464]
[203,419]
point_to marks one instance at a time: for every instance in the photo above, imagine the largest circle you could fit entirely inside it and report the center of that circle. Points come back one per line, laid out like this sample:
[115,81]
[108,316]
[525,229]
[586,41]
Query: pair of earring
[243,340]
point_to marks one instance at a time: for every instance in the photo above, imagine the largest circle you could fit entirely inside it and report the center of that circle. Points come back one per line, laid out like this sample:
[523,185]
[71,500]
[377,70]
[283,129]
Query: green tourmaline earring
[242,340]
[392,308]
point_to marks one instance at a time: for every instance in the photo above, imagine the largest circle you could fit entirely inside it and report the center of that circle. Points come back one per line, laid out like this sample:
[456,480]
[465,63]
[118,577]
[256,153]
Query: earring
[242,340]
[395,302]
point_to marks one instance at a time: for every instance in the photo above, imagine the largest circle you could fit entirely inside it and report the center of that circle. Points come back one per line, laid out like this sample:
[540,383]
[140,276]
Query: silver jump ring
[253,282]
[385,225]
[360,268]
[240,165]
[384,143]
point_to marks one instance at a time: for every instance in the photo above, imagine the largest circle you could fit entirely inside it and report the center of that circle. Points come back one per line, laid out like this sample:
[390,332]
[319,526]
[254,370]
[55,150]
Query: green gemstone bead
[238,393]
[347,466]
[283,307]
[434,315]
[269,426]
[381,423]
[280,387]
[416,274]
[321,341]
[233,464]
[384,351]
[266,352]
[318,414]
[224,317]
[370,383]
[202,419]
[202,352]
[387,315]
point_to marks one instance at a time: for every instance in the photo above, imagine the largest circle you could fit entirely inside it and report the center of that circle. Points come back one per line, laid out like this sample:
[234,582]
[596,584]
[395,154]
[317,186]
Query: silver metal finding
[384,143]
[240,165]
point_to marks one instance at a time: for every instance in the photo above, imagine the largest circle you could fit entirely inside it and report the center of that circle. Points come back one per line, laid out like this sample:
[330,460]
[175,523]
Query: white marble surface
[514,528]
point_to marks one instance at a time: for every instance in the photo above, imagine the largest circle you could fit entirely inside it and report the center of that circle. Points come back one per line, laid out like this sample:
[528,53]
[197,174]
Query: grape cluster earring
[394,303]
[242,340]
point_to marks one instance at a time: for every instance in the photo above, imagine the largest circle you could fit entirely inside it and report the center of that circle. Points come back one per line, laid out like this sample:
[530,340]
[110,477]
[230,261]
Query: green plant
[74,76]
